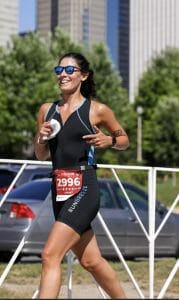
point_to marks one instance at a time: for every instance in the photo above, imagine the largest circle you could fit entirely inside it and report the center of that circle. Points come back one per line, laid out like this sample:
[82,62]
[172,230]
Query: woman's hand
[45,131]
[98,139]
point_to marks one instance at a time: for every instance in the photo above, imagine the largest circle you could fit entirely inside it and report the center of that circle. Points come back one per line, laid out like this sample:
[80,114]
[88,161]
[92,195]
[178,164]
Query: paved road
[79,291]
[91,291]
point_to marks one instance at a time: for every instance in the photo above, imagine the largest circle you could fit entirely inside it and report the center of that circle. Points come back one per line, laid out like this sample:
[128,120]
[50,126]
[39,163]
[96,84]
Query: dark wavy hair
[88,88]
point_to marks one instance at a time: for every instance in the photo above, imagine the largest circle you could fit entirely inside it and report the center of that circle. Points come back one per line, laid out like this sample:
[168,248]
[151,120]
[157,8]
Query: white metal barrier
[150,236]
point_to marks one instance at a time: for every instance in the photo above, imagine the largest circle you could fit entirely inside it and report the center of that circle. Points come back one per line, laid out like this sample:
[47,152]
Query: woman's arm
[103,116]
[43,129]
[119,138]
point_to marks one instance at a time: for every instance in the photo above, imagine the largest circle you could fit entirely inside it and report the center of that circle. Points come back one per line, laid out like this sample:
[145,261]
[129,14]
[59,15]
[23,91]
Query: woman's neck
[72,99]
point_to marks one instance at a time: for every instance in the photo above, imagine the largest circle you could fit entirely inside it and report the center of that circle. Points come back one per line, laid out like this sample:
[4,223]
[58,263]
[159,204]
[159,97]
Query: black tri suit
[70,152]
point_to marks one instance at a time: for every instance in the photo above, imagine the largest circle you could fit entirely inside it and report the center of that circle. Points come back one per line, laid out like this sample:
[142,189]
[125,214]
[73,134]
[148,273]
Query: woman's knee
[49,257]
[92,264]
[46,256]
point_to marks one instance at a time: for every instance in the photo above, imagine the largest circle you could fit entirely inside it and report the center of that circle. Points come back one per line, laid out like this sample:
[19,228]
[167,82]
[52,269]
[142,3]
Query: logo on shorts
[78,198]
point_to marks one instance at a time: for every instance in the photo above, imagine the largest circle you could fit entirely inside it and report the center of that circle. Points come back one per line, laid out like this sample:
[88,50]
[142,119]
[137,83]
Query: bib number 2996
[68,183]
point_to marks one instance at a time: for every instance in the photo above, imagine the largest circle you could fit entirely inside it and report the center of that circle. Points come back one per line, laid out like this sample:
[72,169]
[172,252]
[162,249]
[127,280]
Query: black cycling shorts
[79,210]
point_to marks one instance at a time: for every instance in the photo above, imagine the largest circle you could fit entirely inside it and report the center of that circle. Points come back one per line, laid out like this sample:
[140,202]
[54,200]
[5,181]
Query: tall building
[9,20]
[145,28]
[84,20]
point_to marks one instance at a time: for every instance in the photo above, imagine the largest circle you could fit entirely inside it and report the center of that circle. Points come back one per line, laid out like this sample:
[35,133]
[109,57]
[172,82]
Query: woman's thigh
[86,249]
[60,240]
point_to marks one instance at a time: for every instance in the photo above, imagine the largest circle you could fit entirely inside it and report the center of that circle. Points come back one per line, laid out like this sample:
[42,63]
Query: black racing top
[67,148]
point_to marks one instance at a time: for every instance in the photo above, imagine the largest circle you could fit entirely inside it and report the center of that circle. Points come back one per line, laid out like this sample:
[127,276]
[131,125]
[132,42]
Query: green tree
[27,81]
[163,133]
[160,79]
[158,83]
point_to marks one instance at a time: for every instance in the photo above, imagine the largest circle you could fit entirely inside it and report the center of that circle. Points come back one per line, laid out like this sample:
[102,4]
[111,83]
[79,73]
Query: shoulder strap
[90,129]
[51,111]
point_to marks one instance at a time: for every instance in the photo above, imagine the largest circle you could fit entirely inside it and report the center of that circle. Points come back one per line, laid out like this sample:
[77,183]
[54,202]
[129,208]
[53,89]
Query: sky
[27,15]
[27,22]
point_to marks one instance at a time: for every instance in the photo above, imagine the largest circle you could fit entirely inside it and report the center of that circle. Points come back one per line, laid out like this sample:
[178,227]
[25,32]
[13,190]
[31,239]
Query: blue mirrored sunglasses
[68,69]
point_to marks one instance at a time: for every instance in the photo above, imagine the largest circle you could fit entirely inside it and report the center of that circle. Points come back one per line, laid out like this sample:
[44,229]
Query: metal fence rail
[150,236]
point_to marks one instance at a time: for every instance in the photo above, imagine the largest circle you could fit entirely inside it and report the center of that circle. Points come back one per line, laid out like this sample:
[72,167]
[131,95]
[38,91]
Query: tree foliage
[158,93]
[163,133]
[160,79]
[26,79]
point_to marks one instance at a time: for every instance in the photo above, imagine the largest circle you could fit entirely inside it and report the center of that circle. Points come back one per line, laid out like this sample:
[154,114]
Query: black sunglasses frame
[68,69]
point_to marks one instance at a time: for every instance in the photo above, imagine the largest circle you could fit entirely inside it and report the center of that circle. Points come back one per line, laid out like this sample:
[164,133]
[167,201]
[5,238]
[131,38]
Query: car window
[106,200]
[6,177]
[31,190]
[39,176]
[31,174]
[23,177]
[137,198]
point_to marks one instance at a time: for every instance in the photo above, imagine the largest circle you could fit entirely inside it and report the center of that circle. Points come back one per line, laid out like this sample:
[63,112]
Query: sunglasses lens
[58,70]
[69,69]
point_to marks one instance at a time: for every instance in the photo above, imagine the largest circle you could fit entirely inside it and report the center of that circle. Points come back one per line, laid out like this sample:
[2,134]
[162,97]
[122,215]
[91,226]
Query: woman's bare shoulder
[99,107]
[44,108]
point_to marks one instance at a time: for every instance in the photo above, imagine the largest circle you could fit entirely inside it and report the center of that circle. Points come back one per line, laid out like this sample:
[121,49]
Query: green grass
[26,275]
[167,191]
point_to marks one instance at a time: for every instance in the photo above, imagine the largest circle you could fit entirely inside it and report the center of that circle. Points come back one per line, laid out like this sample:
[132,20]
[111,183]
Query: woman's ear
[84,76]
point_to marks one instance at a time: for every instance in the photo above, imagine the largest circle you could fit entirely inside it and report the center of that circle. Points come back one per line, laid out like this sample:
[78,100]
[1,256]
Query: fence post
[151,193]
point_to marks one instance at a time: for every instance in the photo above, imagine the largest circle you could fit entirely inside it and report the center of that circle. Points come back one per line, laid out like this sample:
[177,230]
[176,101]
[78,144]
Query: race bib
[68,183]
